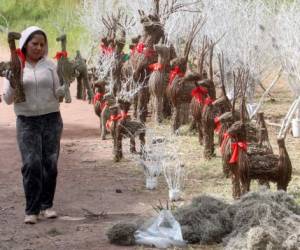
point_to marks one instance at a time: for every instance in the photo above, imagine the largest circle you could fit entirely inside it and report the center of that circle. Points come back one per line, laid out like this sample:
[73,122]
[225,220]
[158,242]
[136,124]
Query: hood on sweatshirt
[25,35]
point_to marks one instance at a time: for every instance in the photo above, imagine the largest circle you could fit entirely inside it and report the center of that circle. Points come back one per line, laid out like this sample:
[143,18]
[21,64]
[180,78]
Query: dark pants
[39,143]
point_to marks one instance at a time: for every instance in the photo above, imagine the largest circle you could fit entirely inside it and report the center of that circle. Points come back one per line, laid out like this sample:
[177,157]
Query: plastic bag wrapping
[163,232]
[251,107]
[175,194]
[151,182]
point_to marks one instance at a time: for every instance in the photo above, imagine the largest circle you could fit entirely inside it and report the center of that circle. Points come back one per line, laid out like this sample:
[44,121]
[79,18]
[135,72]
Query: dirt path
[88,179]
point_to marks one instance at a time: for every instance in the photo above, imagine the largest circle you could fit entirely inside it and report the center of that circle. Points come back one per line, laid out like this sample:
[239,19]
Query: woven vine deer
[15,65]
[68,70]
[144,54]
[246,162]
[158,81]
[121,126]
[180,86]
[116,38]
[203,96]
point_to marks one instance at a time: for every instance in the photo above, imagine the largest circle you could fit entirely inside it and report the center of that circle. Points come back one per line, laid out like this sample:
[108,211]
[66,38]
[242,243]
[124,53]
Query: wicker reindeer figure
[122,126]
[180,86]
[67,70]
[158,81]
[203,95]
[116,26]
[144,55]
[102,101]
[16,64]
[249,162]
[257,165]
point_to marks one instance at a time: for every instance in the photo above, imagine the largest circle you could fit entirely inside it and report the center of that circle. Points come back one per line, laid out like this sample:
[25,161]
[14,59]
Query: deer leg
[100,125]
[200,132]
[117,145]
[68,98]
[185,113]
[246,186]
[167,110]
[104,117]
[79,87]
[236,191]
[142,141]
[132,145]
[143,99]
[159,109]
[176,119]
[135,106]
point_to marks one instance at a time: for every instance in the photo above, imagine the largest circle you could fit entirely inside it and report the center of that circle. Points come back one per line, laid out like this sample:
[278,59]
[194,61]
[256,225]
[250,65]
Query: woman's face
[35,48]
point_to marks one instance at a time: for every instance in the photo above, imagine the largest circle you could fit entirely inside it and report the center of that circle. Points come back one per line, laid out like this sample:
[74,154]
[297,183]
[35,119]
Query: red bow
[226,136]
[21,57]
[106,50]
[175,72]
[156,67]
[218,125]
[142,49]
[97,97]
[198,93]
[114,118]
[61,54]
[235,147]
[208,101]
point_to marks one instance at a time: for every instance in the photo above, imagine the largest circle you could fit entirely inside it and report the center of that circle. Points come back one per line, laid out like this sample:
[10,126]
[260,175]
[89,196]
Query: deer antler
[172,6]
[197,25]
[222,73]
[202,54]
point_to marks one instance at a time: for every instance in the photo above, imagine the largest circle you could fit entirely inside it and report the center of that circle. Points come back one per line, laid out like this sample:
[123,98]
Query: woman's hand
[60,92]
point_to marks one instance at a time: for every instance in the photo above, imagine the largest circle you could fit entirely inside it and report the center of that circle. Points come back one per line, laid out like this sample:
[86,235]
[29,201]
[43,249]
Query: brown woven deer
[180,87]
[68,69]
[158,80]
[121,126]
[248,163]
[116,26]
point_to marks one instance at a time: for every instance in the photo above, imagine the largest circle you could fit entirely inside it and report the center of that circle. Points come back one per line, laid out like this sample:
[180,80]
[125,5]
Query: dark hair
[38,32]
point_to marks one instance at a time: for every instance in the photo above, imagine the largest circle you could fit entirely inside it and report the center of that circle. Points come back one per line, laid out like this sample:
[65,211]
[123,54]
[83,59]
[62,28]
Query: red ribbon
[21,57]
[106,50]
[235,147]
[142,49]
[175,72]
[114,118]
[226,136]
[98,97]
[61,54]
[156,67]
[199,93]
[218,125]
[208,101]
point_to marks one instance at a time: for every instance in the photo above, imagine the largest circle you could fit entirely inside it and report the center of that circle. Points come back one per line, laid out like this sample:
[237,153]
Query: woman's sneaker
[30,219]
[49,214]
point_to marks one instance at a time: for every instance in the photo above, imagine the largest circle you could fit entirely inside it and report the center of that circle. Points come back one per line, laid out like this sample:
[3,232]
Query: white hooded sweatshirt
[40,84]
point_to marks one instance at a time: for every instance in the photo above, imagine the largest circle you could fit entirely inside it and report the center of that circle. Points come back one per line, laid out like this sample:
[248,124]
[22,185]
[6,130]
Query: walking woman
[39,124]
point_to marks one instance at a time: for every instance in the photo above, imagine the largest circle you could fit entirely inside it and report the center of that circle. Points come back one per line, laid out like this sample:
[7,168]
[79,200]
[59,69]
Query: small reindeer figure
[122,126]
[16,66]
[67,70]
